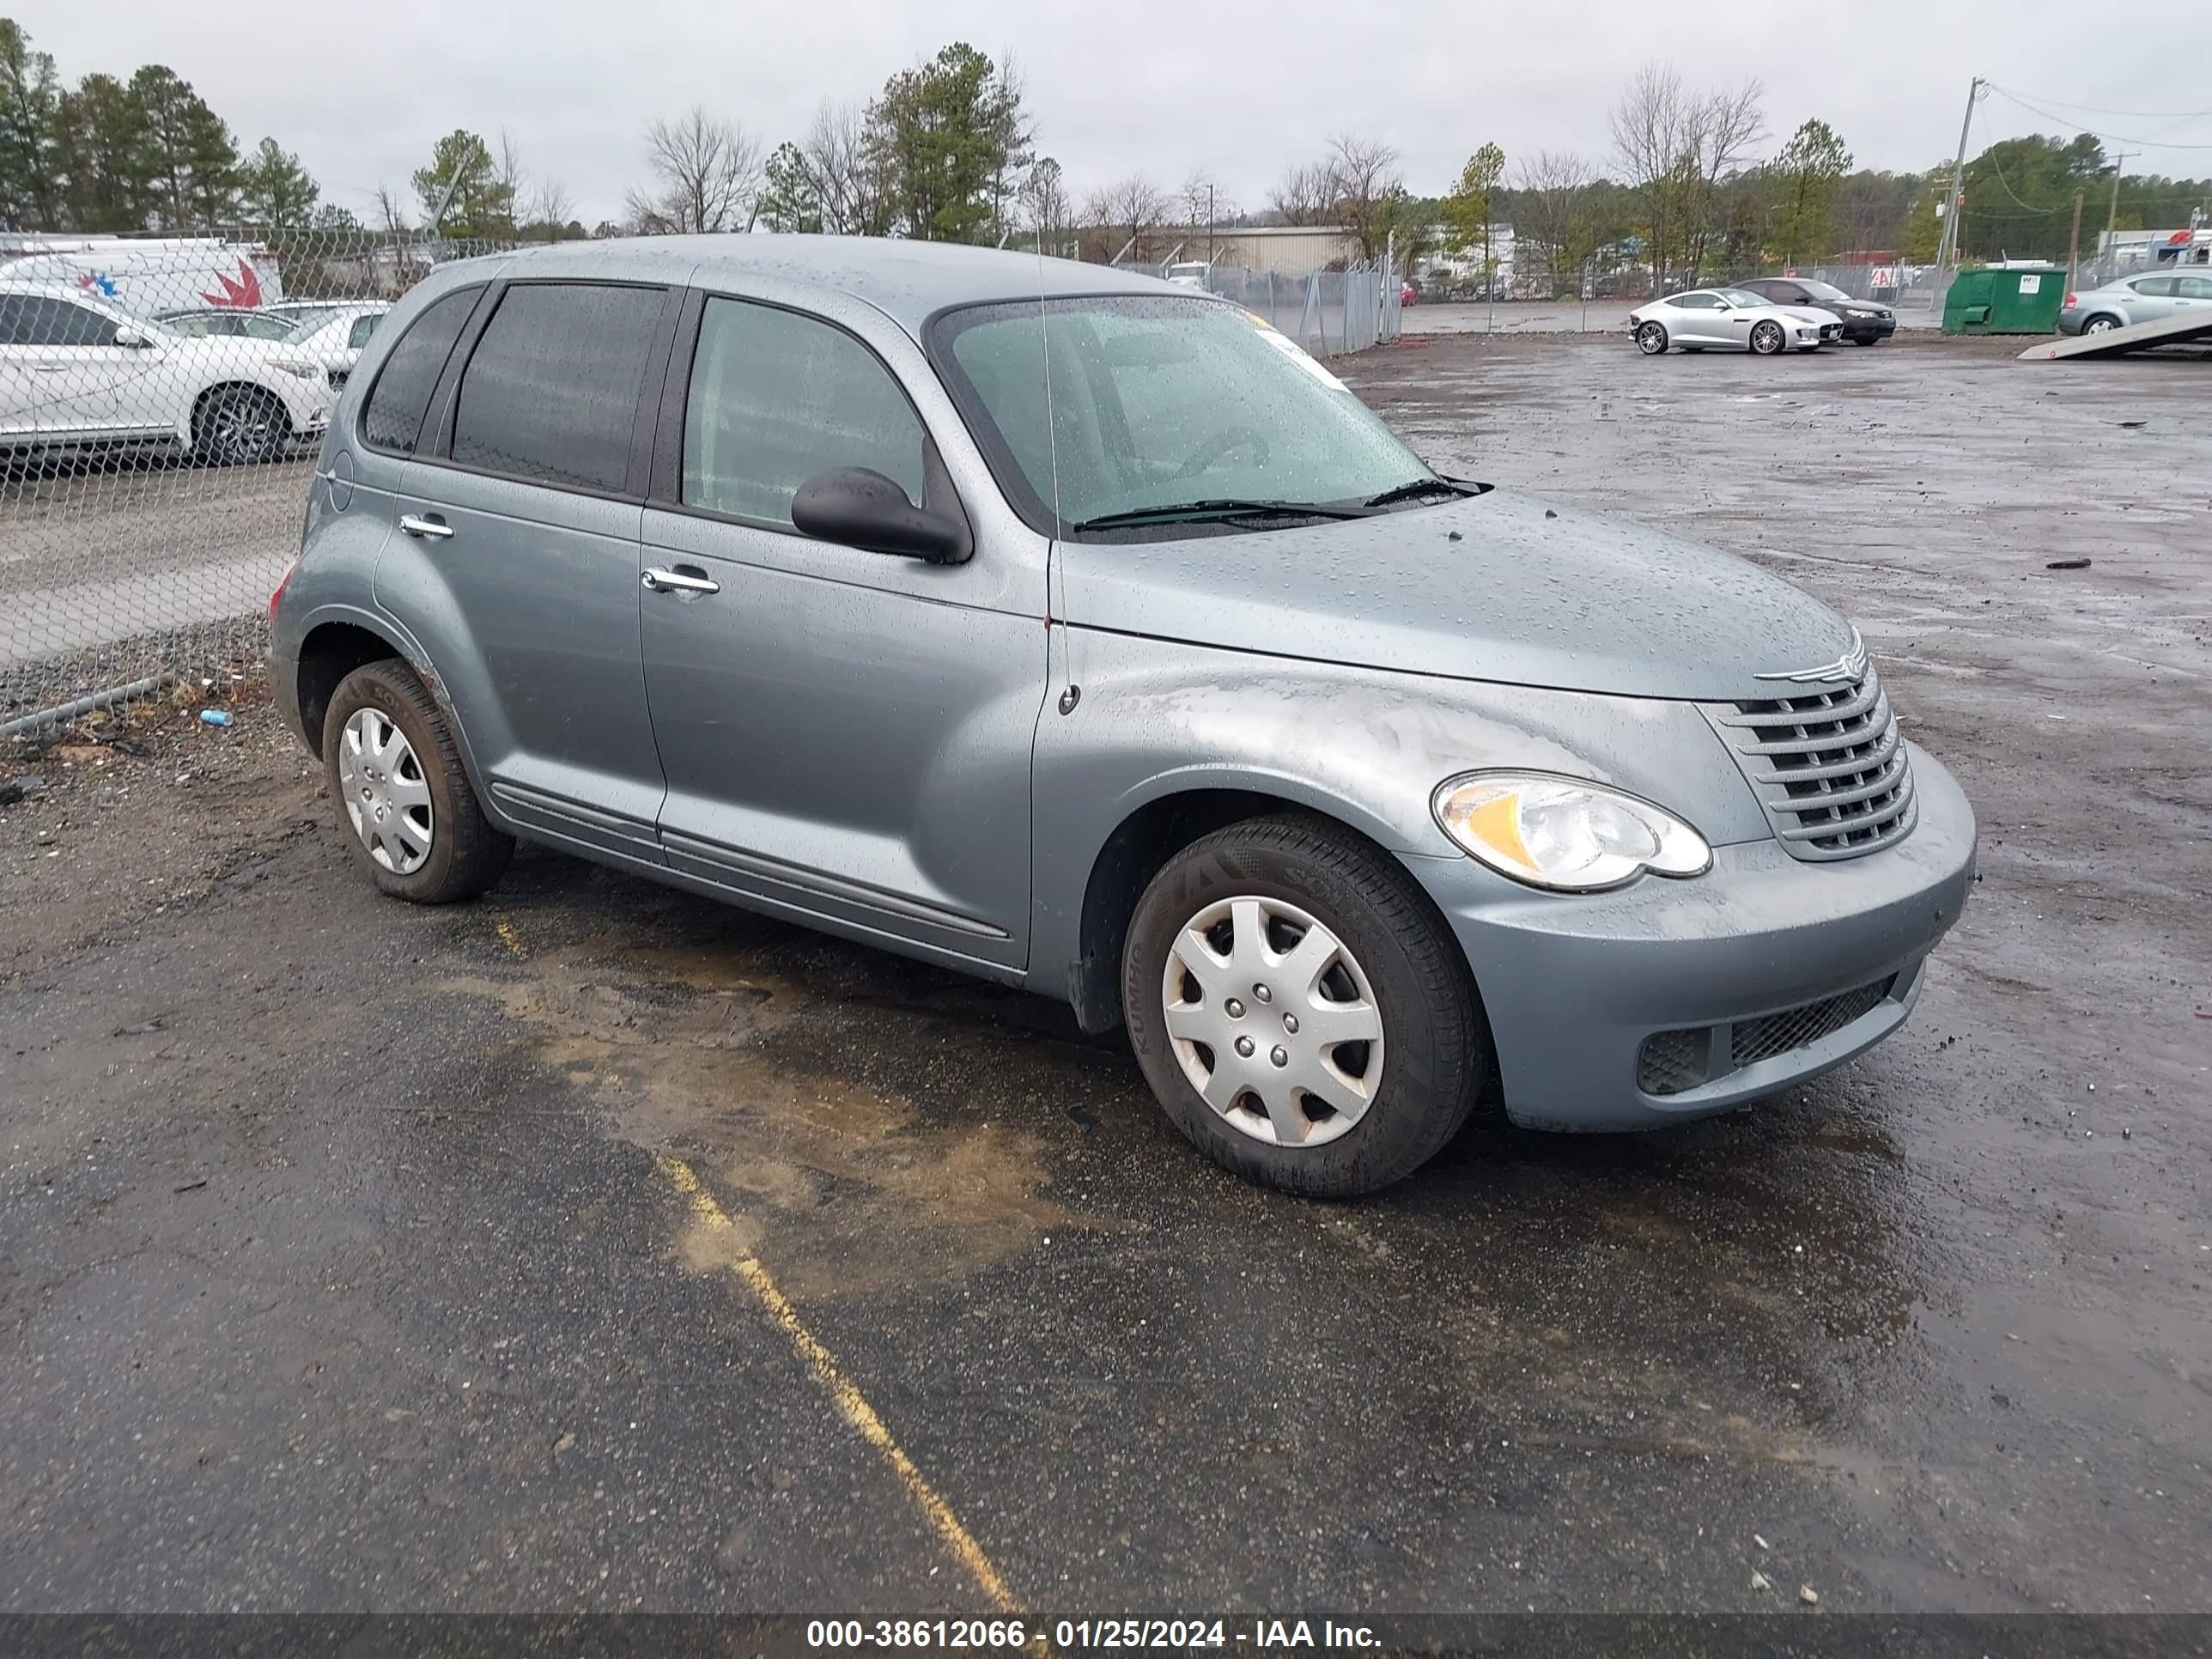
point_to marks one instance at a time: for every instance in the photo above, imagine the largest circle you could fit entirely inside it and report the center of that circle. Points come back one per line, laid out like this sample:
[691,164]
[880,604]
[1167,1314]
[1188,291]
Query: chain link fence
[160,403]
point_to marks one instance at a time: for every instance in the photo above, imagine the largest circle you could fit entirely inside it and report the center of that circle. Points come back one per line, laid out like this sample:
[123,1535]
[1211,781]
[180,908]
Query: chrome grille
[1830,768]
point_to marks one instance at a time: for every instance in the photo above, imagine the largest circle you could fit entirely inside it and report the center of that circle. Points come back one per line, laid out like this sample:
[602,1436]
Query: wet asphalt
[339,1268]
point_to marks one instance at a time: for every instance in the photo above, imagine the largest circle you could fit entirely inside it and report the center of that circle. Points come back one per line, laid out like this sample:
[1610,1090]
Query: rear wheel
[1299,1009]
[1767,338]
[1652,339]
[404,797]
[238,425]
[2100,324]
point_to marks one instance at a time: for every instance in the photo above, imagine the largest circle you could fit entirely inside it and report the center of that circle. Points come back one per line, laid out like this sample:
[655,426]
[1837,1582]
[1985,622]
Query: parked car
[74,371]
[2132,299]
[1728,319]
[950,641]
[232,321]
[302,310]
[335,339]
[1864,323]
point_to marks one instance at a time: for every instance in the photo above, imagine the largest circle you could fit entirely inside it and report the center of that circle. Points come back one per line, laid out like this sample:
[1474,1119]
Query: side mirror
[127,335]
[858,507]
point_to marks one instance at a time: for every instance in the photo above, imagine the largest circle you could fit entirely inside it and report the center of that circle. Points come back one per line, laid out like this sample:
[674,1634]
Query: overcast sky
[1163,87]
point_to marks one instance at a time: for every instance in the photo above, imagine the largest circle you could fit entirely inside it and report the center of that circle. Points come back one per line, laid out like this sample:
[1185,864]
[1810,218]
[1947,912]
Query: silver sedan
[1728,319]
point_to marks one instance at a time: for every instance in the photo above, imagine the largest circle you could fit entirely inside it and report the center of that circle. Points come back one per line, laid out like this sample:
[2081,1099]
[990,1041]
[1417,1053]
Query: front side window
[363,328]
[775,397]
[550,391]
[2193,287]
[1116,405]
[27,319]
[393,417]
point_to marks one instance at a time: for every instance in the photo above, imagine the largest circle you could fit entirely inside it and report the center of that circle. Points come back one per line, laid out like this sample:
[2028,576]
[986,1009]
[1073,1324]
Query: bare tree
[1674,147]
[551,207]
[1306,195]
[1558,218]
[393,215]
[848,172]
[1128,213]
[1364,182]
[705,173]
[1045,207]
[508,176]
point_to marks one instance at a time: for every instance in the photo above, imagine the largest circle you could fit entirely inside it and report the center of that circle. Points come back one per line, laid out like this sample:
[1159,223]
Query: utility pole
[1946,247]
[2112,214]
[2074,243]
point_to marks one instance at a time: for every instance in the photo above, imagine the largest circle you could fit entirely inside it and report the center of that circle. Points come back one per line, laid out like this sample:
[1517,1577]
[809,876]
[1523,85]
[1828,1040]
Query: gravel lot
[338,1268]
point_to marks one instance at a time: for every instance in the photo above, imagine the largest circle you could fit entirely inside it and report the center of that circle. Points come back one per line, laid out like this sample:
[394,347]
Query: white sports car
[1729,319]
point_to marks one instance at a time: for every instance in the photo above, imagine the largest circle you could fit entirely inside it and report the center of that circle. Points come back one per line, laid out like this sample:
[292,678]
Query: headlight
[294,367]
[1565,833]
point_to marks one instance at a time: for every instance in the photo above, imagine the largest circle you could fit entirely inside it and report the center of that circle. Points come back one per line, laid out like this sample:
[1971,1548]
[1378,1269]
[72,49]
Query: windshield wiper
[1220,507]
[1413,486]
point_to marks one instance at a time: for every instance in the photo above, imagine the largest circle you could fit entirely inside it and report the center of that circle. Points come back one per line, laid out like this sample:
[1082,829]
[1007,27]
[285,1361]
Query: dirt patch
[848,1184]
[137,811]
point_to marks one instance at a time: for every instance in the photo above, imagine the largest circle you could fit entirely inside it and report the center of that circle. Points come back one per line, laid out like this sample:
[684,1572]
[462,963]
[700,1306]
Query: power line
[2010,191]
[2133,114]
[2094,132]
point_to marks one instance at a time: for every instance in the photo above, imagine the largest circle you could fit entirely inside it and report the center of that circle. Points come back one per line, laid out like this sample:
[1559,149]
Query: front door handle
[662,581]
[436,530]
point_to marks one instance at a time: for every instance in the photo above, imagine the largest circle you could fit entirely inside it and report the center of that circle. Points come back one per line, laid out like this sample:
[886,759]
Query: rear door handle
[663,581]
[436,530]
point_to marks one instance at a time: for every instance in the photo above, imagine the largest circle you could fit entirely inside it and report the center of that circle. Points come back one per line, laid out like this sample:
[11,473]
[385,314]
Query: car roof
[909,282]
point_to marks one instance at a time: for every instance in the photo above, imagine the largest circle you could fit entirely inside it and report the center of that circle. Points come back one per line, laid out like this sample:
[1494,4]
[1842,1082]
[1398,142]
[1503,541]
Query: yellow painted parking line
[852,1404]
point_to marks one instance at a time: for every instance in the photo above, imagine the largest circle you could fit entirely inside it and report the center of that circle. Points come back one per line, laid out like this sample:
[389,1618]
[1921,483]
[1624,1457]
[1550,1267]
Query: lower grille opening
[1675,1062]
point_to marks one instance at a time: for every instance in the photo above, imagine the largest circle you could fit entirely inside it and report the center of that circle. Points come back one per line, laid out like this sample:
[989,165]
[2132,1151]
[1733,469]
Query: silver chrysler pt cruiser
[1079,631]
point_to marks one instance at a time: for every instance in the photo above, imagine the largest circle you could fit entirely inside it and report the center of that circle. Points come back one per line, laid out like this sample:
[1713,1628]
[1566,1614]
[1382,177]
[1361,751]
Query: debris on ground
[214,717]
[1809,1596]
[1760,1581]
[2067,564]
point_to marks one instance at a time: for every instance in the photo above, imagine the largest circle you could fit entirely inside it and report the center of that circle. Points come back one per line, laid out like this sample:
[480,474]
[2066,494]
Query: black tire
[1768,339]
[239,426]
[466,853]
[2103,323]
[1866,339]
[1652,339]
[1436,1059]
[1692,351]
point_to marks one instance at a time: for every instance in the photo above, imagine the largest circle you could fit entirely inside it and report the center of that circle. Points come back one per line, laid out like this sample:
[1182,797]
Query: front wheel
[1652,339]
[1767,339]
[1299,1009]
[404,797]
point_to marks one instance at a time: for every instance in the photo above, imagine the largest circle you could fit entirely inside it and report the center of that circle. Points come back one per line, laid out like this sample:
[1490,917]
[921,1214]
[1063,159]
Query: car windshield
[1158,402]
[1743,296]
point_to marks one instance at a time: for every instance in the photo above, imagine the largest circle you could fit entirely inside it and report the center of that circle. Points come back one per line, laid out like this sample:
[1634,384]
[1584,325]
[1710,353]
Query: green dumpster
[2007,300]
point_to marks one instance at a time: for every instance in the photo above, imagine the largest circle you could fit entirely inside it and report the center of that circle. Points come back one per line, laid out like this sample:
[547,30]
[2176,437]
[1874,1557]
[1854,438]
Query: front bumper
[1870,328]
[1575,985]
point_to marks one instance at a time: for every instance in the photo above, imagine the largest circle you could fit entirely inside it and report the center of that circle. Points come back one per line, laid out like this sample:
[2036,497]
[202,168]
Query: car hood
[1822,315]
[1498,587]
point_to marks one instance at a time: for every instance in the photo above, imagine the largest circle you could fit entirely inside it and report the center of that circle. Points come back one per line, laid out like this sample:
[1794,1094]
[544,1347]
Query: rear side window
[776,397]
[363,328]
[2159,288]
[393,418]
[550,391]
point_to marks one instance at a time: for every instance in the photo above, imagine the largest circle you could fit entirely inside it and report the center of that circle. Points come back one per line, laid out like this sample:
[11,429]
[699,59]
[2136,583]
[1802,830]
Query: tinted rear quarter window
[393,417]
[550,390]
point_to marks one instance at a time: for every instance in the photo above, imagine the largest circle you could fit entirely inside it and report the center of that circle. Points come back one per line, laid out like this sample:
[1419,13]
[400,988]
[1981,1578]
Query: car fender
[1151,718]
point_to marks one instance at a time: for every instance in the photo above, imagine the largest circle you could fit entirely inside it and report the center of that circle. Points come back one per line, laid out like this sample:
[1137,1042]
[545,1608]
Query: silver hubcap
[388,798]
[243,427]
[1766,336]
[1651,339]
[1273,1021]
[2099,326]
